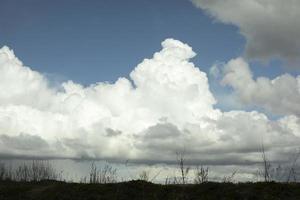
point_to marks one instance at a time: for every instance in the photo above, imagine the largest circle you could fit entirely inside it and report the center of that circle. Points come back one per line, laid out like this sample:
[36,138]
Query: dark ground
[53,190]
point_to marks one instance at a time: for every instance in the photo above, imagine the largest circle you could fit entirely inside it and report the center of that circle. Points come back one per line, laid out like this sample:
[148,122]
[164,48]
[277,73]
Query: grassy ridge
[54,190]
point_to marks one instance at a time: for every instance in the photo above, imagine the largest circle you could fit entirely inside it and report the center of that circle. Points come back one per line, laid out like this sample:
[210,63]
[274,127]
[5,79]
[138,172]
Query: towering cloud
[271,27]
[165,106]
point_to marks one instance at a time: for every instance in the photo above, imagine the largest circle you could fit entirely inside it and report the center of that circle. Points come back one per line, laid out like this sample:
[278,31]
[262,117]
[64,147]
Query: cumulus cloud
[271,27]
[280,95]
[166,106]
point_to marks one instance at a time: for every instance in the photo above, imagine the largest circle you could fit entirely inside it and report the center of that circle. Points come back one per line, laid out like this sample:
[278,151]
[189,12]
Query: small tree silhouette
[201,175]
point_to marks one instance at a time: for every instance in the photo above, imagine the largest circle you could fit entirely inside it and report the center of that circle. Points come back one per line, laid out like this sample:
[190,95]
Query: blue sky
[103,40]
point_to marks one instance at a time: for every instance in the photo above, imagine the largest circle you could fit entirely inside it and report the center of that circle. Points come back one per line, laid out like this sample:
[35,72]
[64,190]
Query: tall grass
[106,174]
[35,171]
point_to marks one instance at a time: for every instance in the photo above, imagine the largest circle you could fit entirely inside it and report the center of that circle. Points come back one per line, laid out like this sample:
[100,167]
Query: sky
[141,80]
[103,40]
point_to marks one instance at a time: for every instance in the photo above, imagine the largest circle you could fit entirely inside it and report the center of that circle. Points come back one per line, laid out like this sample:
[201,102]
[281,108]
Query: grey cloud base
[166,107]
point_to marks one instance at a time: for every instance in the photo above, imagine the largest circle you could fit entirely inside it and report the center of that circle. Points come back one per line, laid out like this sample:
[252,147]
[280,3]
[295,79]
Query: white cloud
[280,95]
[19,83]
[165,107]
[271,27]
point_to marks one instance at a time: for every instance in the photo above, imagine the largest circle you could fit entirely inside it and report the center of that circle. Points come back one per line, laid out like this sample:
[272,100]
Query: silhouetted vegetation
[39,180]
[49,190]
[201,175]
[275,172]
[107,174]
[184,170]
[35,171]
